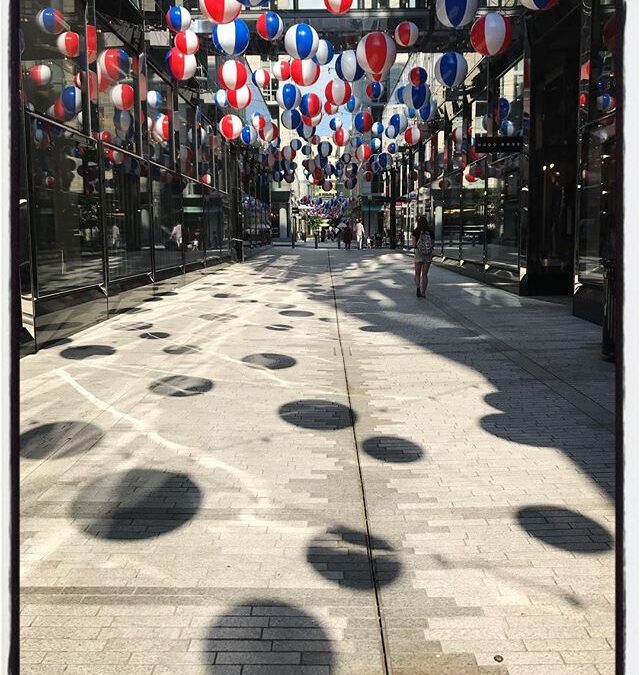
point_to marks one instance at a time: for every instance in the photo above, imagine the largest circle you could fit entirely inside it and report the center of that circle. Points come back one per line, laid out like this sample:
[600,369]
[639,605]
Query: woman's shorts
[421,258]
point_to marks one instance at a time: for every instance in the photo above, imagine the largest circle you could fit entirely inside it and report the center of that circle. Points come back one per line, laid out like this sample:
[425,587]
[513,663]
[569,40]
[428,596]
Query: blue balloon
[504,108]
[451,69]
[352,103]
[232,38]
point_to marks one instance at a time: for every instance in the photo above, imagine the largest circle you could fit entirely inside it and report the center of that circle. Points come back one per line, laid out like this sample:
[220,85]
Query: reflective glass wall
[125,176]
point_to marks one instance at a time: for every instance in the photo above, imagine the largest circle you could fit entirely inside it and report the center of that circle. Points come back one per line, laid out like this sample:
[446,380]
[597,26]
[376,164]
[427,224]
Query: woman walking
[347,236]
[422,242]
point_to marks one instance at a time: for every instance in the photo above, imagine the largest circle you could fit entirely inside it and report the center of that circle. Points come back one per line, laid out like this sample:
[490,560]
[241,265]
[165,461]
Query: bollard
[315,237]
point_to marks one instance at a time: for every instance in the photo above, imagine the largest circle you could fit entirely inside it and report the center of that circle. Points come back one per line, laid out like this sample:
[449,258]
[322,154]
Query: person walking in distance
[422,242]
[359,232]
[347,236]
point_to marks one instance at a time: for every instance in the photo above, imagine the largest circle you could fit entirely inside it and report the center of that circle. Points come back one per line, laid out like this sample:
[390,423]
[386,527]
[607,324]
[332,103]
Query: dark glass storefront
[541,220]
[125,181]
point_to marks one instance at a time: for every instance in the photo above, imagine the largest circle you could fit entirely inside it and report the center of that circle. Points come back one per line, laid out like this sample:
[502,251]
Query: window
[126,214]
[66,208]
[53,61]
[166,210]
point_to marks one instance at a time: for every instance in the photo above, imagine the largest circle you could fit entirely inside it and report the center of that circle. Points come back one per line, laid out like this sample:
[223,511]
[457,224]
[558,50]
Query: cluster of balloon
[180,60]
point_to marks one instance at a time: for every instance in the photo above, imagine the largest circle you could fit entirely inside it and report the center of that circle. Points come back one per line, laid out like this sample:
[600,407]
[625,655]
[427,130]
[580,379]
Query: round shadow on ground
[165,294]
[218,317]
[341,556]
[317,414]
[296,313]
[62,439]
[248,300]
[392,449]
[154,335]
[270,361]
[268,636]
[279,305]
[177,350]
[180,386]
[136,504]
[135,325]
[373,329]
[224,295]
[279,326]
[153,298]
[84,352]
[239,285]
[564,529]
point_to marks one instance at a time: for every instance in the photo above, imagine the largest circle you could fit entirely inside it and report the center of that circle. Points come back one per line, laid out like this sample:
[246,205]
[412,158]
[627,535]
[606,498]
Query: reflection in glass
[193,218]
[597,202]
[126,213]
[66,208]
[185,123]
[451,220]
[508,109]
[117,91]
[503,214]
[166,208]
[213,224]
[53,58]
[159,119]
[473,214]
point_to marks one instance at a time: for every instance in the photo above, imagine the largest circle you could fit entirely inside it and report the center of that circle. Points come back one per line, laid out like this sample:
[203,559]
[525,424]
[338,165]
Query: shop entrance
[554,137]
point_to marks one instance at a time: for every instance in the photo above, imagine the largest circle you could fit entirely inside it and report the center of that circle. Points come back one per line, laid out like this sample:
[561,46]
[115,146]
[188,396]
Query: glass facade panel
[473,214]
[503,214]
[451,220]
[53,57]
[597,207]
[185,123]
[597,218]
[509,106]
[126,214]
[166,209]
[193,230]
[65,208]
[159,119]
[118,93]
[213,224]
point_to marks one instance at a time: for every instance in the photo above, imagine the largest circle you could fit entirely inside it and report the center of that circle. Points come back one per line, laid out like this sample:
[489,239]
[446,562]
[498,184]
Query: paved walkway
[294,466]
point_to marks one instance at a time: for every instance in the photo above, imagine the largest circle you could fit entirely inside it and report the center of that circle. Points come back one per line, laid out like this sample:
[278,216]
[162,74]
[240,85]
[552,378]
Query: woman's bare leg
[416,276]
[425,277]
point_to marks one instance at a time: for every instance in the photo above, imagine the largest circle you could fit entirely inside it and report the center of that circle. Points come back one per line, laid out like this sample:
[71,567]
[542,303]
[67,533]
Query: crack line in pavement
[374,578]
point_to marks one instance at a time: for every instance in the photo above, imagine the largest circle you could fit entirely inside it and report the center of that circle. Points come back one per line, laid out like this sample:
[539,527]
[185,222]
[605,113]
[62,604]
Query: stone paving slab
[190,480]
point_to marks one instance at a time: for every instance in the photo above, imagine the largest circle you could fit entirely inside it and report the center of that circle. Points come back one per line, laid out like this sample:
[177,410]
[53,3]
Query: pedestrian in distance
[422,241]
[347,236]
[359,232]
